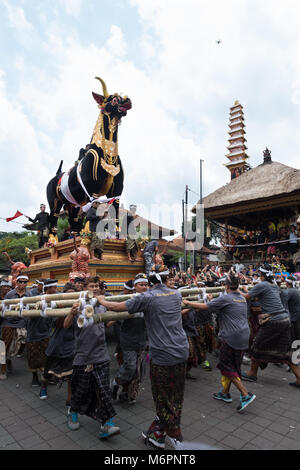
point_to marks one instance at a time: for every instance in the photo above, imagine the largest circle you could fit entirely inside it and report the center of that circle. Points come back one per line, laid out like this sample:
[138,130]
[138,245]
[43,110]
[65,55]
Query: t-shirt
[293,237]
[62,343]
[38,328]
[150,247]
[34,292]
[293,296]
[133,333]
[43,220]
[14,322]
[90,343]
[269,298]
[189,324]
[168,344]
[231,310]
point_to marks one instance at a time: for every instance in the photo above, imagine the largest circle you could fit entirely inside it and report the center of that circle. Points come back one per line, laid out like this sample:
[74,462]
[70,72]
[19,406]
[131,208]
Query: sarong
[96,243]
[193,359]
[60,367]
[167,384]
[205,341]
[134,386]
[272,343]
[36,356]
[131,246]
[91,394]
[13,338]
[230,360]
[295,330]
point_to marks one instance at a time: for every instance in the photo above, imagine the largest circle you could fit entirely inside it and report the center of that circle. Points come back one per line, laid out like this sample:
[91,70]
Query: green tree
[14,243]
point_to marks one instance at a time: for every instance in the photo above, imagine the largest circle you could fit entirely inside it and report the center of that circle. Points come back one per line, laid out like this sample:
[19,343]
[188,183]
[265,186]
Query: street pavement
[272,421]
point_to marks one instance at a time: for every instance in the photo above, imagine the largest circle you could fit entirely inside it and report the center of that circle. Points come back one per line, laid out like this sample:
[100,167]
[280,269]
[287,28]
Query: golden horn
[105,92]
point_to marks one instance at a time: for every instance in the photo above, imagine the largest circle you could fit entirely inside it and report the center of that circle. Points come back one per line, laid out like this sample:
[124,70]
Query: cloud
[116,43]
[72,7]
[19,23]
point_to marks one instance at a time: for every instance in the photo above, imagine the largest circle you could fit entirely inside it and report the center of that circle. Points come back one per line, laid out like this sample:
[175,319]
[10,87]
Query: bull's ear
[98,98]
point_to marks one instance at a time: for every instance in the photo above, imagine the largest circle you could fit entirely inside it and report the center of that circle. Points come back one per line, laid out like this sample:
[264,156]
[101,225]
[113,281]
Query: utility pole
[185,227]
[201,198]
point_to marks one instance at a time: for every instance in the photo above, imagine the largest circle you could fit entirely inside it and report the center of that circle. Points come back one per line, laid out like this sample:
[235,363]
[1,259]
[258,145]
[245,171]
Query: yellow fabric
[225,381]
[272,225]
[86,227]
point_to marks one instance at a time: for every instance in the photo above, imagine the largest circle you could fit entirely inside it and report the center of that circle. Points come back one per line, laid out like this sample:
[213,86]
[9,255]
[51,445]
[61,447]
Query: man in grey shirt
[273,341]
[231,310]
[169,351]
[91,394]
[293,305]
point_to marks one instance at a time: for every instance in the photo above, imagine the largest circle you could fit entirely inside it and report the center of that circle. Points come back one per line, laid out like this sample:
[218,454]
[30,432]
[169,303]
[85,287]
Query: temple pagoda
[237,155]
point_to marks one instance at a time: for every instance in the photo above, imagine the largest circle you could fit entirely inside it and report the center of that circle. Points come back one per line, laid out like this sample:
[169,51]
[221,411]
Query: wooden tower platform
[56,263]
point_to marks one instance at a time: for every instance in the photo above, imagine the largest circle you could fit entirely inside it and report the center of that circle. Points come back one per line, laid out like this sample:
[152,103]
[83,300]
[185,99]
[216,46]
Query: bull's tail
[59,168]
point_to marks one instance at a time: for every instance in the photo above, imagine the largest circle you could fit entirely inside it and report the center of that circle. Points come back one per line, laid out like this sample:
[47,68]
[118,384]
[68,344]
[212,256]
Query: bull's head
[115,104]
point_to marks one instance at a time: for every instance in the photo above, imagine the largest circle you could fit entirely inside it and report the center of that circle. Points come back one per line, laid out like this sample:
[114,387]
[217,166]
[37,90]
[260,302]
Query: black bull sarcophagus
[98,170]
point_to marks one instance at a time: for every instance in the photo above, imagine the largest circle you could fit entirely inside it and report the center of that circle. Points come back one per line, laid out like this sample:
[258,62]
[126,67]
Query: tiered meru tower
[237,155]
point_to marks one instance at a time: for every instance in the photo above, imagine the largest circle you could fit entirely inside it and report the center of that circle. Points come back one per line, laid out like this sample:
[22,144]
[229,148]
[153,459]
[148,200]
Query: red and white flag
[17,214]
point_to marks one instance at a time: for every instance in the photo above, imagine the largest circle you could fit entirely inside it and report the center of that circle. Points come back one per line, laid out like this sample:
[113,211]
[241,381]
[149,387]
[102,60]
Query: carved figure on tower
[80,257]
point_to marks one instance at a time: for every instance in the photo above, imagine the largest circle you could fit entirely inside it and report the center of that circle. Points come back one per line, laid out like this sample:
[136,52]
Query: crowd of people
[279,239]
[247,317]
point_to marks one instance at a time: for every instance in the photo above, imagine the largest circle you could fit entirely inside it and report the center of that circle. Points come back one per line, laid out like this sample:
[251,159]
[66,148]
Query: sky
[164,55]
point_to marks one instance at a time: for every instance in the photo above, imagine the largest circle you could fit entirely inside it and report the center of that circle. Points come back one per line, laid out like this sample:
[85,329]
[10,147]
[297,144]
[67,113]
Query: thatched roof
[264,181]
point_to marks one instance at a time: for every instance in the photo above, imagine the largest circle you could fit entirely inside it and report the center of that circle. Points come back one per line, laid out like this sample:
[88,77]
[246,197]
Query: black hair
[69,286]
[129,284]
[157,269]
[232,282]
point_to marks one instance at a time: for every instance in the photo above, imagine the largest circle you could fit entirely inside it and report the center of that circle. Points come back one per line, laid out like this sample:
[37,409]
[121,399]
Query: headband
[140,279]
[23,277]
[53,284]
[266,272]
[158,275]
[127,287]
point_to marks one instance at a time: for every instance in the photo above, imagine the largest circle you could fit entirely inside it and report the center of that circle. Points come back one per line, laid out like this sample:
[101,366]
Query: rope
[44,307]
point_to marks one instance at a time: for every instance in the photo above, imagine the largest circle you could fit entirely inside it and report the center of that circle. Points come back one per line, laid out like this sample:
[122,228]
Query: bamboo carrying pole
[42,305]
[55,312]
[49,297]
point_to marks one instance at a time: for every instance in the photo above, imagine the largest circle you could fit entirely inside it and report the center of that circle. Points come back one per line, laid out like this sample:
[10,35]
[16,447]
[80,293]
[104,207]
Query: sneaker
[35,381]
[157,439]
[114,389]
[248,378]
[43,393]
[73,422]
[206,365]
[174,443]
[246,360]
[154,427]
[131,401]
[3,376]
[108,429]
[223,396]
[245,401]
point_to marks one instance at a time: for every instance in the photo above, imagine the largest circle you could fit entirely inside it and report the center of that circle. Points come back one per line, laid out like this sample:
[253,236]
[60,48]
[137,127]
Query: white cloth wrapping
[64,187]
